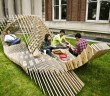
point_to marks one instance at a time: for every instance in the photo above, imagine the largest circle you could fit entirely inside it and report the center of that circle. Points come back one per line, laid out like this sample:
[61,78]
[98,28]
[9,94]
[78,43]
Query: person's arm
[62,44]
[45,45]
[66,41]
[76,49]
[56,39]
[14,36]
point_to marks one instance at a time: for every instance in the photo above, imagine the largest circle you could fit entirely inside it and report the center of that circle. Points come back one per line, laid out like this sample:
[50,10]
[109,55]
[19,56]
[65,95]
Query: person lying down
[11,39]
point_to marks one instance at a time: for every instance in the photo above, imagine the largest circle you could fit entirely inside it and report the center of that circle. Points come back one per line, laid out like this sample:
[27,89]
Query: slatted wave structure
[92,52]
[50,74]
[54,76]
[45,71]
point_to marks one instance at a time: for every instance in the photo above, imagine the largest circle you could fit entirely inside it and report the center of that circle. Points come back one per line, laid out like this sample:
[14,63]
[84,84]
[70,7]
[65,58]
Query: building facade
[25,7]
[87,16]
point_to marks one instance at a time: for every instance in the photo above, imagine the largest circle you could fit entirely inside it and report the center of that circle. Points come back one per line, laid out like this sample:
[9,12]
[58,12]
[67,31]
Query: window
[59,9]
[104,10]
[98,10]
[92,7]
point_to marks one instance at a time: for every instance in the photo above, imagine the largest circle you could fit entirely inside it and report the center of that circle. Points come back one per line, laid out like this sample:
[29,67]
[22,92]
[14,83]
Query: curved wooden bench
[51,75]
[90,53]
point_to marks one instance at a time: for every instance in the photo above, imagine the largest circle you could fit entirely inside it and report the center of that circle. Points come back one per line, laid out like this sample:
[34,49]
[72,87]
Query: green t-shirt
[56,40]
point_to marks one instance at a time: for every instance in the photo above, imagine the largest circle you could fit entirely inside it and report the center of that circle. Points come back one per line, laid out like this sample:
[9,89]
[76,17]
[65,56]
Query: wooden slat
[89,52]
[83,56]
[66,85]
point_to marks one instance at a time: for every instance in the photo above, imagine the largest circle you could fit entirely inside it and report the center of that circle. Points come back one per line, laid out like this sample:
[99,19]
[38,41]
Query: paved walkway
[89,38]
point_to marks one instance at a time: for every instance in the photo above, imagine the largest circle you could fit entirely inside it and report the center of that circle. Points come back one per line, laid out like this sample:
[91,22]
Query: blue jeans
[16,41]
[48,51]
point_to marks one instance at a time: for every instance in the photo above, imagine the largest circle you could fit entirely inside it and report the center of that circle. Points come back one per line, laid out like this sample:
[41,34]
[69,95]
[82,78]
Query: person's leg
[72,52]
[75,54]
[8,43]
[60,47]
[48,51]
[11,42]
[16,41]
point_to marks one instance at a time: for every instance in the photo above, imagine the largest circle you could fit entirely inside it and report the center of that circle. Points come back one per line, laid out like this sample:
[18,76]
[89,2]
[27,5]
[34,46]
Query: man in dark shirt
[81,44]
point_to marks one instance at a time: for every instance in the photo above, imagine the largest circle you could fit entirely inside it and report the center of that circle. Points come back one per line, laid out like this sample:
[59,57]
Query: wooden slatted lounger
[51,75]
[90,53]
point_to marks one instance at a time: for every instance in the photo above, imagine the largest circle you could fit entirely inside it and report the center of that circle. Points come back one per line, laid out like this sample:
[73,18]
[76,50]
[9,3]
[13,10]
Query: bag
[36,53]
[62,55]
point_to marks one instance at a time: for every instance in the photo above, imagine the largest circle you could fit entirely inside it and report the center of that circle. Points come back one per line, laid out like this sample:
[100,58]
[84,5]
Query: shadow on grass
[96,77]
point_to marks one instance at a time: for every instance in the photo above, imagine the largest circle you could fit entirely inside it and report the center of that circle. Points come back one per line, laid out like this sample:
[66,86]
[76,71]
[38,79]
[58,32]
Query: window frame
[60,5]
[97,12]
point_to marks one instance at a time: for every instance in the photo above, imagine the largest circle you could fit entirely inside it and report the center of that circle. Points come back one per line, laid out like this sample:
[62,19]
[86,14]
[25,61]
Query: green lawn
[15,82]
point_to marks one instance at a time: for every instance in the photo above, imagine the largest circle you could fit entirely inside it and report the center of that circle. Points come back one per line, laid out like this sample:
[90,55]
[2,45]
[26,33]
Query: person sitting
[46,45]
[81,44]
[11,39]
[59,40]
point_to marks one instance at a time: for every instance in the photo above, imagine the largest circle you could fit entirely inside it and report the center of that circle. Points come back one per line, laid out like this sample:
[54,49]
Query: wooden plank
[77,61]
[52,84]
[89,52]
[45,83]
[70,82]
[65,93]
[39,80]
[73,74]
[71,63]
[66,85]
[83,56]
[55,83]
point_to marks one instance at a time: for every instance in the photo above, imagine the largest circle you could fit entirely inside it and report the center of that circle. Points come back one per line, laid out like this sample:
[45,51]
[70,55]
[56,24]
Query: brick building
[87,16]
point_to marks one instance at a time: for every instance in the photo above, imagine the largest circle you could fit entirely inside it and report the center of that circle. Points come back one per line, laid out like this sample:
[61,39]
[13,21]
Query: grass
[15,82]
[96,76]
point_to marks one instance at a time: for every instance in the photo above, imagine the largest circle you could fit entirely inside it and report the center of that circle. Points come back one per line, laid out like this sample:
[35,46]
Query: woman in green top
[46,45]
